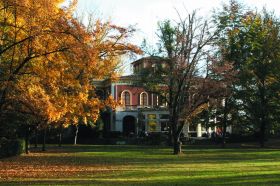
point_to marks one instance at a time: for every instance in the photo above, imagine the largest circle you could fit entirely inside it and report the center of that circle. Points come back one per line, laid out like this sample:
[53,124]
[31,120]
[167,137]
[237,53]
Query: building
[139,111]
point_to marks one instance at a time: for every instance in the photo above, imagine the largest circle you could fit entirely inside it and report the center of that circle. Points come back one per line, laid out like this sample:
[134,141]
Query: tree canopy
[250,41]
[49,59]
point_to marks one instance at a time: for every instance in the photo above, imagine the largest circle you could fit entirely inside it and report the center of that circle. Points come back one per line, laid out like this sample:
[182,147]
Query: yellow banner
[152,126]
[152,116]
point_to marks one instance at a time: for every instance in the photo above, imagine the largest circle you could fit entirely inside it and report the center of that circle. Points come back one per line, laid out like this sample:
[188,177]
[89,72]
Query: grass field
[142,165]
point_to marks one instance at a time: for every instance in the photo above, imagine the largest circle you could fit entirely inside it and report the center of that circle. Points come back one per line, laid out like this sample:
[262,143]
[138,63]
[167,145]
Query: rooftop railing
[139,107]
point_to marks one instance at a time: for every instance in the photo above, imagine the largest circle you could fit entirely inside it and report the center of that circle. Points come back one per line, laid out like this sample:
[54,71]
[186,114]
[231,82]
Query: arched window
[144,99]
[125,98]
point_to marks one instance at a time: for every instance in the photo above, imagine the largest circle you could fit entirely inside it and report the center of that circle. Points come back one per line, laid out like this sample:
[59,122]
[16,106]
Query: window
[161,101]
[164,116]
[125,98]
[144,99]
[164,126]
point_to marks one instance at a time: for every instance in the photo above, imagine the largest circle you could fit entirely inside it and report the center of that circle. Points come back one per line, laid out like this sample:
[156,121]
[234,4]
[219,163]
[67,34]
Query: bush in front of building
[113,134]
[156,138]
[11,147]
[240,138]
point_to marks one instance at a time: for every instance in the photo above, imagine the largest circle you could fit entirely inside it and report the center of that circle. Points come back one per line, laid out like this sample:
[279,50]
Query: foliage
[11,147]
[155,138]
[250,41]
[48,61]
[177,77]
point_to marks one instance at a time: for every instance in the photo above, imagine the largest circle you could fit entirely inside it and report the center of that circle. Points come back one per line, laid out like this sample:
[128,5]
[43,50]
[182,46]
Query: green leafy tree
[250,40]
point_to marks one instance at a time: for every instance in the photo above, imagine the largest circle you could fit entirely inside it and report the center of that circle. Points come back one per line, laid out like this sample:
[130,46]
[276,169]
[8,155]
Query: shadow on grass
[149,165]
[119,155]
[260,179]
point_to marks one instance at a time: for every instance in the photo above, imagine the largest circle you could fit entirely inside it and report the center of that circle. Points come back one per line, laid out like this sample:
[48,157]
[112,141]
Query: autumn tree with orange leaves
[48,60]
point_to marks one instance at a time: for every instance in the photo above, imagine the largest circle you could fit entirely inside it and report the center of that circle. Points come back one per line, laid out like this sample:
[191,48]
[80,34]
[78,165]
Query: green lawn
[142,165]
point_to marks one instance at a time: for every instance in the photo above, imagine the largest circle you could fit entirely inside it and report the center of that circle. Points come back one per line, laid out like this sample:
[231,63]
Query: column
[198,130]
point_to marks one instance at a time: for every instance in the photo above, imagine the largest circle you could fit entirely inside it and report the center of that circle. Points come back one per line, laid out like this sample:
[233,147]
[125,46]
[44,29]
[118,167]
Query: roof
[149,58]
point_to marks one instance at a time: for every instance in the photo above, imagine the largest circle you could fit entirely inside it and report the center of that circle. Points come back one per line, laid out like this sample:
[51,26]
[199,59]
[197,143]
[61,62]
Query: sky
[145,14]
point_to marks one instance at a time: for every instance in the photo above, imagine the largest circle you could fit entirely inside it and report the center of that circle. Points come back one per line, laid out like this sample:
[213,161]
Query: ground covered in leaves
[142,165]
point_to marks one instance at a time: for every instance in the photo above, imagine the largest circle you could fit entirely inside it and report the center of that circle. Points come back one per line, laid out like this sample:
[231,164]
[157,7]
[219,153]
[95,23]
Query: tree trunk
[2,100]
[262,133]
[224,125]
[27,140]
[177,146]
[60,136]
[76,135]
[176,131]
[44,139]
[36,137]
[263,114]
[170,138]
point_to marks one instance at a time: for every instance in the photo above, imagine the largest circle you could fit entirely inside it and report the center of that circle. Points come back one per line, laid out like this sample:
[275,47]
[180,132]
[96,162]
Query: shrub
[237,138]
[11,147]
[156,138]
[113,134]
[205,135]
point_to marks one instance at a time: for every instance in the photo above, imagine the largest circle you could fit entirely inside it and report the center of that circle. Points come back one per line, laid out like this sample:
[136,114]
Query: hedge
[11,147]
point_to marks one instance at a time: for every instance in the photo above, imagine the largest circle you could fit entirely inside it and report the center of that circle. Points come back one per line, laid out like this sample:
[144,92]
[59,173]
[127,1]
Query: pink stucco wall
[135,94]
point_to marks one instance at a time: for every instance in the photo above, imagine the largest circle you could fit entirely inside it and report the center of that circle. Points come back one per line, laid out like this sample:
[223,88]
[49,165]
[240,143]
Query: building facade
[139,111]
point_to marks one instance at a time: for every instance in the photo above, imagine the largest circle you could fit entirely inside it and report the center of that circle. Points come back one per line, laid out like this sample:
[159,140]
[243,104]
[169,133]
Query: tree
[48,59]
[252,45]
[177,77]
[27,29]
[224,74]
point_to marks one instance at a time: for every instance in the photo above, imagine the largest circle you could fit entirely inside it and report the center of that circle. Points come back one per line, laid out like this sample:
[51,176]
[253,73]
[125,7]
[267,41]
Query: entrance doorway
[129,125]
